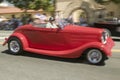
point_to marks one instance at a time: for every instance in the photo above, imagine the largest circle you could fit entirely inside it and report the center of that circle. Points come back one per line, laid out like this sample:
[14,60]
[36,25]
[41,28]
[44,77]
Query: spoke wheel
[15,46]
[95,56]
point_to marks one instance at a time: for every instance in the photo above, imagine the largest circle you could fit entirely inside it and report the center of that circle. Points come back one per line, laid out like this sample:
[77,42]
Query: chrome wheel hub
[94,56]
[14,46]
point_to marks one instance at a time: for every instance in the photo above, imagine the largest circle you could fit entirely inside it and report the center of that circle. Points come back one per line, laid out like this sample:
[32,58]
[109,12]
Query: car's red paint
[69,42]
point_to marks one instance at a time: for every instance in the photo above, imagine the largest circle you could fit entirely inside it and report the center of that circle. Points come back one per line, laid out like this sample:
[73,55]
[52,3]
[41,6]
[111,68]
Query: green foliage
[116,1]
[1,0]
[105,1]
[33,4]
[100,1]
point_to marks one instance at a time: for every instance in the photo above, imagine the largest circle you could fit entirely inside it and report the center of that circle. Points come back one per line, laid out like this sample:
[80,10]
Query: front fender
[90,45]
[105,48]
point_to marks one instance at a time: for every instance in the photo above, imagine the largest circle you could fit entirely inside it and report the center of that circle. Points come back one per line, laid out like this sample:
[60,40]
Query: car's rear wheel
[14,46]
[95,56]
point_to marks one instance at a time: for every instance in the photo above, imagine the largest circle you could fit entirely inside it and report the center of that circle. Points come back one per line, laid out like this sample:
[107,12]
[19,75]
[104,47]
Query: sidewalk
[4,34]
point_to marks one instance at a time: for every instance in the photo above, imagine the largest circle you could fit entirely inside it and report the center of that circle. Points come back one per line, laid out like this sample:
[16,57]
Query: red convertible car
[70,42]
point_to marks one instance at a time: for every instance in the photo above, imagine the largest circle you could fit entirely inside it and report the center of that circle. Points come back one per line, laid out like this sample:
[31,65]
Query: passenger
[38,20]
[51,23]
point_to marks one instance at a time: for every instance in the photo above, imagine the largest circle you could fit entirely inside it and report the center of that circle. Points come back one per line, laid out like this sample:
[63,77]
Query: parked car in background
[110,25]
[70,41]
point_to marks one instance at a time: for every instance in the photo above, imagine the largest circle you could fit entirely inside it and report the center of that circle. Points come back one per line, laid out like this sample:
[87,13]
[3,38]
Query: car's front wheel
[95,56]
[14,46]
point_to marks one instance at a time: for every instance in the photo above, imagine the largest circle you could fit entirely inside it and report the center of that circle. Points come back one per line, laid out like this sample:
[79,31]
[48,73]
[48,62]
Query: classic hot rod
[72,41]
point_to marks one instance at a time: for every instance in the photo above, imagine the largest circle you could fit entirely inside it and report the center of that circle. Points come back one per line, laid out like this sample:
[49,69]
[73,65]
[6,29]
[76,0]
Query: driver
[51,23]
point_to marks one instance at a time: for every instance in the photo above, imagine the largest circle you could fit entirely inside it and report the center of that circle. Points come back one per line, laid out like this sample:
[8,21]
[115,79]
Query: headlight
[104,37]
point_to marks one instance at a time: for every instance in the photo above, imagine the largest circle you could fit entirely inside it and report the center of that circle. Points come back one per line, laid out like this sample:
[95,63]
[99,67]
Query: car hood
[82,29]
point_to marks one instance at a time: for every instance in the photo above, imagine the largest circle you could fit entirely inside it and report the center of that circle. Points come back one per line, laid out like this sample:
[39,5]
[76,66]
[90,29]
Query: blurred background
[14,13]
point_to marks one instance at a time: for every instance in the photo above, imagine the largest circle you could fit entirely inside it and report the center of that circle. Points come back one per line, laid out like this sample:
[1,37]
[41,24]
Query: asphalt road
[31,66]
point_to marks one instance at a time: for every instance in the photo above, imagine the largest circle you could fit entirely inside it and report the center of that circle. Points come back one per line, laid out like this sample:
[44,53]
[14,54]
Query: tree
[46,5]
[105,1]
[1,1]
[116,1]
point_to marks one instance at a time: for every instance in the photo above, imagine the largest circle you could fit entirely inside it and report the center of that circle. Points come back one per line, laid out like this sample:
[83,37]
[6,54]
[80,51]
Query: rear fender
[22,38]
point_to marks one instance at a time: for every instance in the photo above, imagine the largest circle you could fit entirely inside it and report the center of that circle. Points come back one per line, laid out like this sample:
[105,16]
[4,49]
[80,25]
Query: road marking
[115,50]
[2,37]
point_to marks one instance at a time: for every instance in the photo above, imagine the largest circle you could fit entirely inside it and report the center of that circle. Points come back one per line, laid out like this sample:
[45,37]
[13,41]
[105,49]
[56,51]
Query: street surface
[31,66]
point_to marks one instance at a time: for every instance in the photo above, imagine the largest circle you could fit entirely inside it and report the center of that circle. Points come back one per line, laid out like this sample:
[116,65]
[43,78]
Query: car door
[46,38]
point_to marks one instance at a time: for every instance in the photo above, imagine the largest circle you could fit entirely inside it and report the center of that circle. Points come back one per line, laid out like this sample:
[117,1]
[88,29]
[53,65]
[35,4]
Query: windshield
[63,22]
